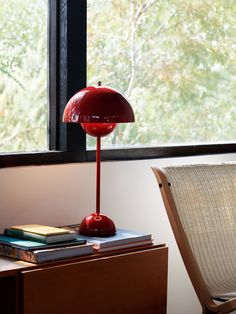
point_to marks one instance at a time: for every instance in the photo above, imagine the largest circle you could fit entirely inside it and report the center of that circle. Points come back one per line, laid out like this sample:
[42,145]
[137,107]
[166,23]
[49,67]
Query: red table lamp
[98,109]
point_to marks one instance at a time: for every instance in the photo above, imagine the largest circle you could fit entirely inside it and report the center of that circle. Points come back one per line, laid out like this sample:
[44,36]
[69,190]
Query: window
[23,75]
[174,60]
[66,64]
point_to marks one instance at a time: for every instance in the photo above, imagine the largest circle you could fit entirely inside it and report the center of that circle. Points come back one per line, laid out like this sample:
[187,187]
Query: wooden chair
[200,201]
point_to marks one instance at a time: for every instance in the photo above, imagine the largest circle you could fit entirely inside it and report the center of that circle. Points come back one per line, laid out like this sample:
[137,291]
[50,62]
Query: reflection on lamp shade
[98,104]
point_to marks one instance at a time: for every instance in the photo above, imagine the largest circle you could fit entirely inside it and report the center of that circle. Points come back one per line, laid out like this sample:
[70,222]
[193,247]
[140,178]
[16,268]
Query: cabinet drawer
[130,283]
[9,300]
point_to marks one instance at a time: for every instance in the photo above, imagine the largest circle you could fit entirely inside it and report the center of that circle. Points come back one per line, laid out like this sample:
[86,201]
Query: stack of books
[39,243]
[123,239]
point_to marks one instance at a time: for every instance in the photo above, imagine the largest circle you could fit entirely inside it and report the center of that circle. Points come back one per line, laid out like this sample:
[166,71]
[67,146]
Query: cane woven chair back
[201,205]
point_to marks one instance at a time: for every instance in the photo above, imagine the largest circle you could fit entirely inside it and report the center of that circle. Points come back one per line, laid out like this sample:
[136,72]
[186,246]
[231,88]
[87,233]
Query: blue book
[40,255]
[122,239]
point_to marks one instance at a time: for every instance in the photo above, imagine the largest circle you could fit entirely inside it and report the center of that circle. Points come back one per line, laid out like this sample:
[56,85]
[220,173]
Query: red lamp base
[97,225]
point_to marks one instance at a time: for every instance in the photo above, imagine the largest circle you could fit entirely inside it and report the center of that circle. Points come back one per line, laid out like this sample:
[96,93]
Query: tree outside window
[176,63]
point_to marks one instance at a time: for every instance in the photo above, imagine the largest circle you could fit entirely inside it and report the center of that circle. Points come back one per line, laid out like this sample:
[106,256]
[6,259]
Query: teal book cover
[32,245]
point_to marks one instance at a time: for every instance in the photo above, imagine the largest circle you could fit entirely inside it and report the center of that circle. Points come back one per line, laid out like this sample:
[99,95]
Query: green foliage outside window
[175,60]
[23,75]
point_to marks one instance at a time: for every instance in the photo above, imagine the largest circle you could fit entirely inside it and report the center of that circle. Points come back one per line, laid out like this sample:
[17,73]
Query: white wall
[63,194]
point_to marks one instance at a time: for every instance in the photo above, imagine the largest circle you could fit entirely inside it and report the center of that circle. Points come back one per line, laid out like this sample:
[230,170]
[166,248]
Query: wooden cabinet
[130,282]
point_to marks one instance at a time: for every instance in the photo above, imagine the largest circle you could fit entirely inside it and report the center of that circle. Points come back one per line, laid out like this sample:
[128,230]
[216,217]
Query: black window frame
[67,27]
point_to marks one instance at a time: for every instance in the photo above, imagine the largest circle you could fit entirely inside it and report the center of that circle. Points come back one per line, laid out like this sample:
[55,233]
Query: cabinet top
[11,267]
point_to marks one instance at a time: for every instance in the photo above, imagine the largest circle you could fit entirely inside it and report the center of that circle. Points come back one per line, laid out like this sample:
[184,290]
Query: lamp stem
[98,161]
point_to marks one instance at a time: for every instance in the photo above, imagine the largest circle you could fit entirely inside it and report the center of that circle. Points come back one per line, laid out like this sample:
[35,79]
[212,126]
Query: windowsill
[122,154]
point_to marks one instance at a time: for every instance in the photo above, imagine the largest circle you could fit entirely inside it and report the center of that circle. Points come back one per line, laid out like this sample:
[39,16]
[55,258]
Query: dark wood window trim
[71,70]
[67,75]
[59,157]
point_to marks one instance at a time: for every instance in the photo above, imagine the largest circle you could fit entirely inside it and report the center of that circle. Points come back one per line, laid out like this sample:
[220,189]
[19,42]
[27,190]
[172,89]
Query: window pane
[176,63]
[23,75]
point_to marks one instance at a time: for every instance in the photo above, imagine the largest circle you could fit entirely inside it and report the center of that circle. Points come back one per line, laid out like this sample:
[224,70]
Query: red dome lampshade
[98,109]
[98,104]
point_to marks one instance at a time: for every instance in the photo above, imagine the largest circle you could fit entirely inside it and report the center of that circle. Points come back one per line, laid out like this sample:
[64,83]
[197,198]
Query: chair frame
[206,300]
